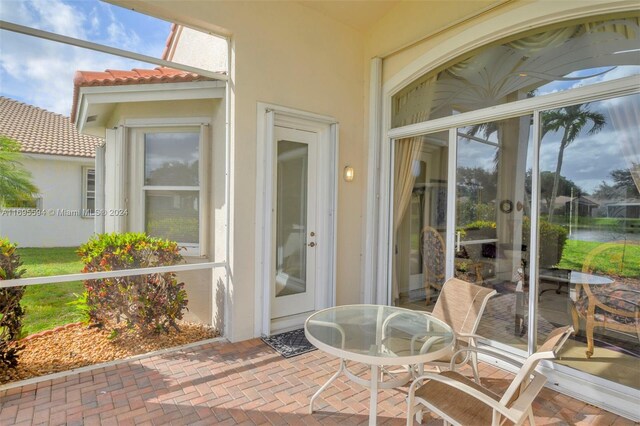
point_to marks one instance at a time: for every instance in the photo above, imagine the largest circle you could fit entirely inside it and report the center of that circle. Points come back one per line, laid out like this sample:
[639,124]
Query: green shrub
[552,237]
[468,211]
[10,310]
[150,303]
[552,240]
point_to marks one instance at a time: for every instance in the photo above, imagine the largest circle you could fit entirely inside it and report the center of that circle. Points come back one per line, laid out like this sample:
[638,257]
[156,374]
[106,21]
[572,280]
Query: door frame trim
[268,116]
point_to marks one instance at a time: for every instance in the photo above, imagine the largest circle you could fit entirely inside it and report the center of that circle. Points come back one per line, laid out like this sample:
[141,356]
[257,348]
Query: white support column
[451,203]
[120,179]
[372,204]
[98,224]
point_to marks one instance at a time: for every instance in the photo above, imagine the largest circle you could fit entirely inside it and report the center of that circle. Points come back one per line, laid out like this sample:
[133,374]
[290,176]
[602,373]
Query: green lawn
[622,260]
[46,305]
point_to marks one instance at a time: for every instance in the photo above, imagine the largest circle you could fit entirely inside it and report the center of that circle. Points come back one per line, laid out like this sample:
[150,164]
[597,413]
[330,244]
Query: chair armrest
[474,338]
[601,300]
[427,344]
[485,399]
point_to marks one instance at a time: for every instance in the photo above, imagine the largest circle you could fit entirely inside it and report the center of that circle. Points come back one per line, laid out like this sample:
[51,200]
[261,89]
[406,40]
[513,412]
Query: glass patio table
[378,336]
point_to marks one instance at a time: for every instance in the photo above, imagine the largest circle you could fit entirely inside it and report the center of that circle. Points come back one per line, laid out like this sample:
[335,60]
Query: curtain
[407,154]
[624,114]
[414,107]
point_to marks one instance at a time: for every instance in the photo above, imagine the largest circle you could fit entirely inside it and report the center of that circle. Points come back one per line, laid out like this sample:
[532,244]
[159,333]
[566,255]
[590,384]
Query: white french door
[293,255]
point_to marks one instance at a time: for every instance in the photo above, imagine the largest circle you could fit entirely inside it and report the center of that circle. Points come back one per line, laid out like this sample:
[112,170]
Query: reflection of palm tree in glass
[15,181]
[572,119]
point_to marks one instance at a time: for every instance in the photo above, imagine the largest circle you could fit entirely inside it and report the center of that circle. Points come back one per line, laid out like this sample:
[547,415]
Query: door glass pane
[589,259]
[419,219]
[172,215]
[171,158]
[291,218]
[492,221]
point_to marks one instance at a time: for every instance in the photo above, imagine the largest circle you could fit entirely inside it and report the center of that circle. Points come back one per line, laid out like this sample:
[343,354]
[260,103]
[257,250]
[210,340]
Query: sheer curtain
[414,107]
[624,117]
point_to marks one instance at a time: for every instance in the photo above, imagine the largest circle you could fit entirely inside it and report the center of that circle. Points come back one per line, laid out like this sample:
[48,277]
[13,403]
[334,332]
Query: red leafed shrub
[10,310]
[152,303]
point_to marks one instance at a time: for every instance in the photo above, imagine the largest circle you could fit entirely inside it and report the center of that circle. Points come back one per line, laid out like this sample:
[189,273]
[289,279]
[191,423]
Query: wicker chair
[614,306]
[461,305]
[432,250]
[460,401]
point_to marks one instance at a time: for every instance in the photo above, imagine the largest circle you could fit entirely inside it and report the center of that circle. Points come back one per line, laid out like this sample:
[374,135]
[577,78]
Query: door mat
[290,343]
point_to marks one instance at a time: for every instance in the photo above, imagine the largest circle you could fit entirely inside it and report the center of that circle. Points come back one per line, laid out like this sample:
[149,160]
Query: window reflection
[533,65]
[590,164]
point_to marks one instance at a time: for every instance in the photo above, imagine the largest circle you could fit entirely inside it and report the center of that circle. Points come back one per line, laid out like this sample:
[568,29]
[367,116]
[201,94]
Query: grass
[46,305]
[621,260]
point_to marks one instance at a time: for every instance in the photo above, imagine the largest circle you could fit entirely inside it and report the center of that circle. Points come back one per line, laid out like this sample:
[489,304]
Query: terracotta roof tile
[134,76]
[43,132]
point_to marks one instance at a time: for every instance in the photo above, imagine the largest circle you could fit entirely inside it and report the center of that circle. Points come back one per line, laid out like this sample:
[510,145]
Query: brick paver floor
[239,383]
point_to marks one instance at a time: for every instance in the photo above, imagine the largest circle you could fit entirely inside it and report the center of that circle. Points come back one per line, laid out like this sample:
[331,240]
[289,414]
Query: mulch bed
[77,345]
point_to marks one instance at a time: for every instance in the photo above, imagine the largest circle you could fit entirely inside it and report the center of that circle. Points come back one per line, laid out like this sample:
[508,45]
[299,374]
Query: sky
[40,72]
[589,159]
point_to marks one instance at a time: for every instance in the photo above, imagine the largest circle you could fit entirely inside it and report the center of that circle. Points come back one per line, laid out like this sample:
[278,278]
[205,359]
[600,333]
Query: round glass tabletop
[382,335]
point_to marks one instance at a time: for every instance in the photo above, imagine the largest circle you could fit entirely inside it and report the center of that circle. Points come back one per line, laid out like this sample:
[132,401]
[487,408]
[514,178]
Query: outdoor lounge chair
[461,304]
[460,401]
[614,306]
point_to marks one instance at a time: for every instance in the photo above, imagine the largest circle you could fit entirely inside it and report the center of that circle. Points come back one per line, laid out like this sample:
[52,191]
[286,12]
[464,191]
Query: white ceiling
[358,14]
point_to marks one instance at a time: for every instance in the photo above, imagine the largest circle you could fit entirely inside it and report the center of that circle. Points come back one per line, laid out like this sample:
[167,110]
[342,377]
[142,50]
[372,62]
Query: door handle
[312,244]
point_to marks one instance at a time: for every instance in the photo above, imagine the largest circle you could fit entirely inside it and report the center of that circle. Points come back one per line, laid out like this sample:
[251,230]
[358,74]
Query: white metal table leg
[373,403]
[331,380]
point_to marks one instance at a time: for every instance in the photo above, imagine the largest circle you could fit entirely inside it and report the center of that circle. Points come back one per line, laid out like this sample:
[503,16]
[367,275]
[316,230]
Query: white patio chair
[461,305]
[461,401]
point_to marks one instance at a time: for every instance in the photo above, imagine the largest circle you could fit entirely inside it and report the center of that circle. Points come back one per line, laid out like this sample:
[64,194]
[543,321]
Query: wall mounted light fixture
[348,173]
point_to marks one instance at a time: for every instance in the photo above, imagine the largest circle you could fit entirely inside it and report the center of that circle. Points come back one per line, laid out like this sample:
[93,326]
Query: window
[88,192]
[26,203]
[548,61]
[171,196]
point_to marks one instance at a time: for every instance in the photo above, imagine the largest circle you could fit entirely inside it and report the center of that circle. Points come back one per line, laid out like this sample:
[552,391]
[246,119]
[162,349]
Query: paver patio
[237,383]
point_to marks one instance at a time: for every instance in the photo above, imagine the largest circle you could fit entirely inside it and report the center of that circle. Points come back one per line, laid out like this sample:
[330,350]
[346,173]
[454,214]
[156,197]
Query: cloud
[40,72]
[588,160]
[43,76]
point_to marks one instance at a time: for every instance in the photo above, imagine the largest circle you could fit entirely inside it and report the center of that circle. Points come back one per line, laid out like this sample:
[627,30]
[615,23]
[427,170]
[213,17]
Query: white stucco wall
[59,180]
[201,50]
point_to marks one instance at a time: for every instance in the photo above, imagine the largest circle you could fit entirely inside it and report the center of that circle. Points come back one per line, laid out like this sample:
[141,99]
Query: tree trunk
[556,179]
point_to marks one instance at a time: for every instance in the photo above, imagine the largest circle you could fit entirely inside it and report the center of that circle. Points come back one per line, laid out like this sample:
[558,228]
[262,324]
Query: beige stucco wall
[204,287]
[403,41]
[59,180]
[287,54]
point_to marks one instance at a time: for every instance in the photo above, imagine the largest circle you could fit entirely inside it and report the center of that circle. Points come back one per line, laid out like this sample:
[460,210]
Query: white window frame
[85,191]
[137,202]
[617,396]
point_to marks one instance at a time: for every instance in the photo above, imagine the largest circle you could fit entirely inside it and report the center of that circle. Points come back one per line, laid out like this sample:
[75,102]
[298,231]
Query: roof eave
[92,96]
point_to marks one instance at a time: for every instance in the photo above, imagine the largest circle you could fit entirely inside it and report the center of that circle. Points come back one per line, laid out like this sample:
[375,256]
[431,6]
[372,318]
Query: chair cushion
[456,404]
[620,296]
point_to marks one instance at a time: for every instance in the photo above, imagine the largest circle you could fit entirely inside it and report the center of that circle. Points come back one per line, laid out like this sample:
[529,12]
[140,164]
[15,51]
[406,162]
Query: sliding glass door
[493,207]
[420,219]
[553,228]
[589,227]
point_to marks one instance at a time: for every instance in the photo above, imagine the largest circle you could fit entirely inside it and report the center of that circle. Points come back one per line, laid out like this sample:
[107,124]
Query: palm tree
[572,119]
[15,181]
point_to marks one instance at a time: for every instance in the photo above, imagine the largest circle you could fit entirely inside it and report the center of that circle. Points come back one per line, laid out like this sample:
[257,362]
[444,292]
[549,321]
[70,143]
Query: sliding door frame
[567,380]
